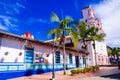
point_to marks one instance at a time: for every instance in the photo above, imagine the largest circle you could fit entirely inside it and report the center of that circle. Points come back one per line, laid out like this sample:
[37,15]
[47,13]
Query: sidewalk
[59,74]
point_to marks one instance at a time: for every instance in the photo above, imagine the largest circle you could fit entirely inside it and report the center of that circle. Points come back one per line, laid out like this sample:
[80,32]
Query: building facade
[98,56]
[24,56]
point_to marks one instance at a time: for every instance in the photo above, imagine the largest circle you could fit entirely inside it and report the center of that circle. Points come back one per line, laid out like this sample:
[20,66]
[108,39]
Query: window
[29,56]
[57,55]
[70,59]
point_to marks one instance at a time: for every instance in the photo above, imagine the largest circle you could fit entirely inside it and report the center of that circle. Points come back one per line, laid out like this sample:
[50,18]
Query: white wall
[13,47]
[100,50]
[85,14]
[43,50]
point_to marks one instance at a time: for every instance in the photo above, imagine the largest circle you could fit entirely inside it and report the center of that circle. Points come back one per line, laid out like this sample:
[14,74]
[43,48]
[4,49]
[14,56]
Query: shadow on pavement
[113,76]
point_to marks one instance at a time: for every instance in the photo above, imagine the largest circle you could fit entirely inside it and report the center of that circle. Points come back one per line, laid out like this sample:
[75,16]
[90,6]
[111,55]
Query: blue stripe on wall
[28,69]
[11,64]
[13,74]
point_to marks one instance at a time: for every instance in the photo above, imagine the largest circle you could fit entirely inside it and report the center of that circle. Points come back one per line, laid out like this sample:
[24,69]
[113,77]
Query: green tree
[118,52]
[95,35]
[115,52]
[109,50]
[64,29]
[89,34]
[83,33]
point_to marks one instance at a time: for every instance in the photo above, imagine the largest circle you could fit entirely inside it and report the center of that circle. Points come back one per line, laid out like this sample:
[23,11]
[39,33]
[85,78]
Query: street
[109,77]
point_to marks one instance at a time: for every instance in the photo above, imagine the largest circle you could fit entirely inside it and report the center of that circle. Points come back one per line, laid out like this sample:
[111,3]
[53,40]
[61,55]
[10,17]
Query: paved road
[59,75]
[110,77]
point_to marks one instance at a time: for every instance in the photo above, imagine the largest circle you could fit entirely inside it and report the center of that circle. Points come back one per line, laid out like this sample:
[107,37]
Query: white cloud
[3,27]
[8,10]
[33,20]
[8,23]
[109,12]
[11,7]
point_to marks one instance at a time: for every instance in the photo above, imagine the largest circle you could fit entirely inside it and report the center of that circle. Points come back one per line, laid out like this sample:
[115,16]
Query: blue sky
[20,16]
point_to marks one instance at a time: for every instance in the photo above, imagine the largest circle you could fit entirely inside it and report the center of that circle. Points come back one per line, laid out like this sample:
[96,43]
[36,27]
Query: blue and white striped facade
[13,64]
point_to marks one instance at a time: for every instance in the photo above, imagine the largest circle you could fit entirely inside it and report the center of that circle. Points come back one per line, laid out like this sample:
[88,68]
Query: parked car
[118,60]
[113,60]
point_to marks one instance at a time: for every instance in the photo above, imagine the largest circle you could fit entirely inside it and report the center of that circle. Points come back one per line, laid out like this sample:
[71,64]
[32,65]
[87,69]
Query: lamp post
[53,53]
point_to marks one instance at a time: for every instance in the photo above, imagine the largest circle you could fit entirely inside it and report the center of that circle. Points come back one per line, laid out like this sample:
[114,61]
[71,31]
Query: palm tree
[118,52]
[115,52]
[83,33]
[95,35]
[109,50]
[61,32]
[89,34]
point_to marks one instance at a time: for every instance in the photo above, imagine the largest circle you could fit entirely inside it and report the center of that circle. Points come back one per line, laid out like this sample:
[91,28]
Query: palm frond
[100,37]
[82,28]
[93,30]
[74,35]
[68,19]
[82,24]
[95,35]
[56,32]
[55,18]
[66,22]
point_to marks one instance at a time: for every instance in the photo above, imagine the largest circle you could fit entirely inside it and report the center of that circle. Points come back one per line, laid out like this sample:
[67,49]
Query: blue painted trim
[11,64]
[31,71]
[11,68]
[13,74]
[68,66]
[82,65]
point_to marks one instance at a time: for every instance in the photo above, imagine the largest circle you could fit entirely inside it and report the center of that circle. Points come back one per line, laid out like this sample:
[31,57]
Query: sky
[20,16]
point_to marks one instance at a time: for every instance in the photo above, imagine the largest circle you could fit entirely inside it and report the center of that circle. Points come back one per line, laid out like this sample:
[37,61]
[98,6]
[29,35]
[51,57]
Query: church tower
[90,18]
[98,55]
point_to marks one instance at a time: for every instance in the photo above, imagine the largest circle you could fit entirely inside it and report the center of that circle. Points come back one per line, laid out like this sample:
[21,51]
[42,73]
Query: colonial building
[24,56]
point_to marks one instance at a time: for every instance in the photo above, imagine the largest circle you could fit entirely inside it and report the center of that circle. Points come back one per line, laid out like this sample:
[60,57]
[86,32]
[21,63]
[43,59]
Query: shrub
[97,67]
[77,71]
[81,70]
[86,69]
[73,72]
[93,68]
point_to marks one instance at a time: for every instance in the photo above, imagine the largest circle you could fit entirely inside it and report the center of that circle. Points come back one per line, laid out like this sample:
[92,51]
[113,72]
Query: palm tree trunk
[95,52]
[64,55]
[64,59]
[85,52]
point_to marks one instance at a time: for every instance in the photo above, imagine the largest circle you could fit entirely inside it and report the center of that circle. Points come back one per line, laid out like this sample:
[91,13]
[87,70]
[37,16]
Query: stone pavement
[86,76]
